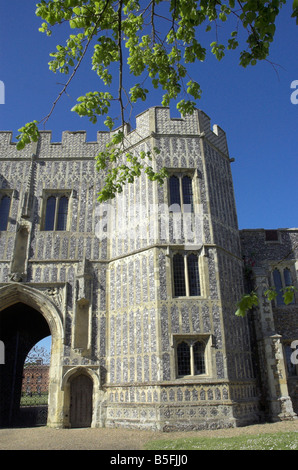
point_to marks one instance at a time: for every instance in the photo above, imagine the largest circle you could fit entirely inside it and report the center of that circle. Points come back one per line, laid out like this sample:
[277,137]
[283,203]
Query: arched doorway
[83,398]
[21,328]
[81,403]
[43,318]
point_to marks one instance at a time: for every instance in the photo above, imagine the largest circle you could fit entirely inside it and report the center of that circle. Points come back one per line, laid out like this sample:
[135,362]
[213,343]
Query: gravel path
[44,438]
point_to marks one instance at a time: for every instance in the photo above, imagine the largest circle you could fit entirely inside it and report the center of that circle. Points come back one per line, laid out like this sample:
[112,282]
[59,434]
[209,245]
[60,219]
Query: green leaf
[240,312]
[93,104]
[271,294]
[217,50]
[295,10]
[288,294]
[28,133]
[247,302]
[109,122]
[138,92]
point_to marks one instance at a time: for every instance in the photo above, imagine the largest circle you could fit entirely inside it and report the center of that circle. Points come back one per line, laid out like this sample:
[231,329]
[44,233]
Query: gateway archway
[21,327]
[26,317]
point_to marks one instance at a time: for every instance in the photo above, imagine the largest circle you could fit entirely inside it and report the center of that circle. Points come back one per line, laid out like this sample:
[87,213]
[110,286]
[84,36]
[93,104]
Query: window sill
[193,378]
[190,297]
[55,231]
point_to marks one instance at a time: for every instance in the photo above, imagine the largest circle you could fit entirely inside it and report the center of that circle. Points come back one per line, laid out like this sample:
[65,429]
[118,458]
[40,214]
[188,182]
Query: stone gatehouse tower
[139,294]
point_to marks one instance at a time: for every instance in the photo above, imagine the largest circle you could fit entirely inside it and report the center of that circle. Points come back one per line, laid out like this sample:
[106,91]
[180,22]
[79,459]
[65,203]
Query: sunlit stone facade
[140,297]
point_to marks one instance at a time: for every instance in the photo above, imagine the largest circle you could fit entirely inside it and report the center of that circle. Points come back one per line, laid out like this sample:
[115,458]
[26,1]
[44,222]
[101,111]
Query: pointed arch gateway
[26,316]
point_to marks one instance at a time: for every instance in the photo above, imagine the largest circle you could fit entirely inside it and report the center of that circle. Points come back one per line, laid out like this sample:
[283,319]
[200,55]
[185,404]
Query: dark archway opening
[21,327]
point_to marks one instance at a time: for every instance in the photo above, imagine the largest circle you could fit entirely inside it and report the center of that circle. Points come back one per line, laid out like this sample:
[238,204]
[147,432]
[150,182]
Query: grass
[34,400]
[273,441]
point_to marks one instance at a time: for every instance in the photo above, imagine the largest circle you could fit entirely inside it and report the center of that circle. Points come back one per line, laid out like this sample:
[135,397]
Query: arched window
[287,277]
[193,275]
[282,279]
[187,192]
[4,211]
[183,357]
[191,357]
[199,358]
[179,275]
[62,213]
[56,213]
[175,190]
[181,193]
[186,275]
[50,213]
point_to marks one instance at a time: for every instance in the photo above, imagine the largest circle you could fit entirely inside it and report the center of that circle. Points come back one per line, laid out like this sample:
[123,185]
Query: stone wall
[276,325]
[109,279]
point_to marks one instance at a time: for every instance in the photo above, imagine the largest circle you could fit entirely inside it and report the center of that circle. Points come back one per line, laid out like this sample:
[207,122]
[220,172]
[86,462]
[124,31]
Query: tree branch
[120,60]
[46,118]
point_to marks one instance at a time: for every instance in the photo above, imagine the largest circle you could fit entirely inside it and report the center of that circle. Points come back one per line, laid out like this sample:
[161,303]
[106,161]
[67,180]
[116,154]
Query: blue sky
[252,105]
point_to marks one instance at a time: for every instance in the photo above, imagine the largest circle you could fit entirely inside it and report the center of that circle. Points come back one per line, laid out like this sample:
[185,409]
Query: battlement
[159,121]
[153,121]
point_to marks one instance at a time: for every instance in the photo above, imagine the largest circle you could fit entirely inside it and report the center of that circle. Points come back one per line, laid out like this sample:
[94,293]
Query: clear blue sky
[252,105]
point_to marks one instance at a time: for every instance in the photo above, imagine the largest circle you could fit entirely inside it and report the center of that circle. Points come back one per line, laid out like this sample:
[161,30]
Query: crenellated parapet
[158,120]
[155,120]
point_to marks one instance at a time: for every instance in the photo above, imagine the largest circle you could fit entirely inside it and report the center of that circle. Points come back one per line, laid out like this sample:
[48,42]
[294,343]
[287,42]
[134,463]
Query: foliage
[272,441]
[288,294]
[248,301]
[251,300]
[153,42]
[29,133]
[118,175]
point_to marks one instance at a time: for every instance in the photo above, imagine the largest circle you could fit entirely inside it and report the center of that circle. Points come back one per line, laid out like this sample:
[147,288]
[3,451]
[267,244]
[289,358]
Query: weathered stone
[105,284]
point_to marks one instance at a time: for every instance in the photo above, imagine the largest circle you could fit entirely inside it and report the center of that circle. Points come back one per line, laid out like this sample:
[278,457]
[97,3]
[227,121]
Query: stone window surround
[281,266]
[57,193]
[185,254]
[191,339]
[10,193]
[180,173]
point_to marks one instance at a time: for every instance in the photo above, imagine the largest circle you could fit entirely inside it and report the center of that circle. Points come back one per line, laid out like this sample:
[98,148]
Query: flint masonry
[142,316]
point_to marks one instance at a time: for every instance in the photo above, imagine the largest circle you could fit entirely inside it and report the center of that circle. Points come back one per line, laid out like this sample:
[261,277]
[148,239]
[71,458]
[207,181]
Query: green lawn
[274,441]
[36,399]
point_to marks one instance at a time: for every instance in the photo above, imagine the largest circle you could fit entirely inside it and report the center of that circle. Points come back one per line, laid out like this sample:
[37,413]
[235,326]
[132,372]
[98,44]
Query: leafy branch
[161,38]
[251,300]
[247,302]
[119,174]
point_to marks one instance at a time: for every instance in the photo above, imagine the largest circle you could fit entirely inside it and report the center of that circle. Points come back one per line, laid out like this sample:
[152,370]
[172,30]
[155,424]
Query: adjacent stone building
[139,294]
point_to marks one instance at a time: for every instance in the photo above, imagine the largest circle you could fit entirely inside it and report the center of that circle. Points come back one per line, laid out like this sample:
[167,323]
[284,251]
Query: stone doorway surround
[14,293]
